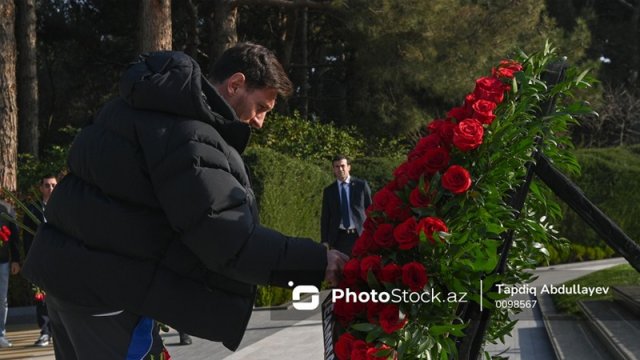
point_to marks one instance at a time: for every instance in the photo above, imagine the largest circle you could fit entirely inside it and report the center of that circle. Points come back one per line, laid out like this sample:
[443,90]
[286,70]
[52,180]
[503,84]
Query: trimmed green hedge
[377,171]
[610,180]
[289,192]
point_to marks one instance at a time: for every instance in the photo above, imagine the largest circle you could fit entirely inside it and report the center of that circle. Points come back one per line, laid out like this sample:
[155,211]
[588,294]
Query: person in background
[157,219]
[46,186]
[343,207]
[9,262]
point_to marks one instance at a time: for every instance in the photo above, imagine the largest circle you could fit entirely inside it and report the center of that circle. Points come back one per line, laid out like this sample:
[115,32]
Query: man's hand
[15,268]
[335,263]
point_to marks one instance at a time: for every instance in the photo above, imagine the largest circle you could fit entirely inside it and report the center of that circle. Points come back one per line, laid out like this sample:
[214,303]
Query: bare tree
[8,107]
[633,6]
[27,75]
[155,25]
[618,123]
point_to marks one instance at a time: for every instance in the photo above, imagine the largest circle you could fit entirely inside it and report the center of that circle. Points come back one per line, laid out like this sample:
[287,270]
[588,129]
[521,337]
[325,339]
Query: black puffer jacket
[157,215]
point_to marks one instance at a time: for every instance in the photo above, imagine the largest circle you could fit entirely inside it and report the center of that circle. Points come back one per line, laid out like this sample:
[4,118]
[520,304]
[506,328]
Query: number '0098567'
[519,304]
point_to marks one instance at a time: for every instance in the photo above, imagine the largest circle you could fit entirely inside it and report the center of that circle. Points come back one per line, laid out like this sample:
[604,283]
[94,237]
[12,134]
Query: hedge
[609,178]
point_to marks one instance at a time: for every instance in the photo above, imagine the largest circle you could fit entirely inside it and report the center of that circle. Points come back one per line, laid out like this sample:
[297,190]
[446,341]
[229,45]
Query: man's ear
[235,82]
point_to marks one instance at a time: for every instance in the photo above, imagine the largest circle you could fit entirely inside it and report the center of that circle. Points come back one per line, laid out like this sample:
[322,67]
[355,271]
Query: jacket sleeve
[212,210]
[14,241]
[27,238]
[14,236]
[367,195]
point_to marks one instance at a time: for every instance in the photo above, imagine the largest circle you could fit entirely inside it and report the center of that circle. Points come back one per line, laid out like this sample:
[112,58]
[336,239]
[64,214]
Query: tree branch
[321,4]
[627,4]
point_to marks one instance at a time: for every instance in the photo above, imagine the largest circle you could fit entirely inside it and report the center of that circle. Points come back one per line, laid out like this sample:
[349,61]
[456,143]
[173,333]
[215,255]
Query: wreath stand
[470,346]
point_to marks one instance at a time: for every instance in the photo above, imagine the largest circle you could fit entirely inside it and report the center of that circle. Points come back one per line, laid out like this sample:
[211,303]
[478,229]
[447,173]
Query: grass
[617,275]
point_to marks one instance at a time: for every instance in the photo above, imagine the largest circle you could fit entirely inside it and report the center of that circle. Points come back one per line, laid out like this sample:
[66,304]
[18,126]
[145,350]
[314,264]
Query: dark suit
[359,200]
[42,315]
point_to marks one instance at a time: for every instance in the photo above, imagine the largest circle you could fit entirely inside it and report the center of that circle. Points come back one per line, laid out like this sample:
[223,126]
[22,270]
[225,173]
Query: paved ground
[274,335]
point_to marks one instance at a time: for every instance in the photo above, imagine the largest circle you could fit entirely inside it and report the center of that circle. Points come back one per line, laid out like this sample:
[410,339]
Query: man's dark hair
[47,176]
[258,64]
[340,157]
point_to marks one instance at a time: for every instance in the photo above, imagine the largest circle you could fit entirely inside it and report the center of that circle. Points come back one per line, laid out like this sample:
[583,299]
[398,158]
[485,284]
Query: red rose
[456,179]
[346,311]
[506,69]
[489,88]
[400,177]
[5,233]
[396,209]
[483,111]
[443,128]
[390,320]
[351,272]
[359,350]
[391,273]
[436,160]
[371,262]
[459,113]
[426,142]
[369,225]
[419,197]
[469,100]
[373,351]
[468,134]
[39,296]
[383,237]
[344,346]
[429,225]
[165,354]
[406,235]
[363,244]
[430,163]
[414,275]
[373,311]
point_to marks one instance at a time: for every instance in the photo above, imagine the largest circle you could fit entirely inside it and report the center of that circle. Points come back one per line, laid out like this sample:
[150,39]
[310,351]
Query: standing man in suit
[343,207]
[47,184]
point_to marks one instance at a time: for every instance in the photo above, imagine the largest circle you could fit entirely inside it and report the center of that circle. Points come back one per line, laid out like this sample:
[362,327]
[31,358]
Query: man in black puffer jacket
[157,219]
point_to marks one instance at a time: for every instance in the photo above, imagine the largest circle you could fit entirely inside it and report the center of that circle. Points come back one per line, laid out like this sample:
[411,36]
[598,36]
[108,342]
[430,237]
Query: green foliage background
[609,178]
[289,192]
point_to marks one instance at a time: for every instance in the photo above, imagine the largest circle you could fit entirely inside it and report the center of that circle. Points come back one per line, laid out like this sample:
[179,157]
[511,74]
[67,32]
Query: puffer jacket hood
[172,82]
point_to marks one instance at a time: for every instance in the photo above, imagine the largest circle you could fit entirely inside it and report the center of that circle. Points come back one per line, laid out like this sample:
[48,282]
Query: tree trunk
[289,36]
[305,62]
[8,107]
[155,25]
[27,75]
[193,39]
[223,29]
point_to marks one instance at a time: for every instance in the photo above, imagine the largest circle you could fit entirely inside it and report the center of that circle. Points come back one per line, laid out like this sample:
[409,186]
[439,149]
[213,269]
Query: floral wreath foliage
[436,226]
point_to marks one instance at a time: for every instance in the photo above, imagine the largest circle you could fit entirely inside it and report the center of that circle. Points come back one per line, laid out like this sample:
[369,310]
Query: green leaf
[581,76]
[363,327]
